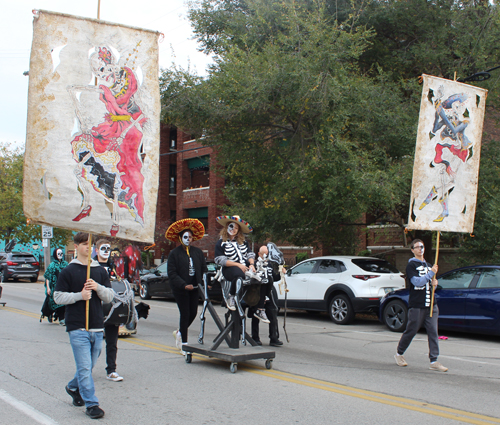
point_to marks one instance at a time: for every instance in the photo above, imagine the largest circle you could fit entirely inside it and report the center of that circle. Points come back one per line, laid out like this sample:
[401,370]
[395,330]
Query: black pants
[111,347]
[232,274]
[187,302]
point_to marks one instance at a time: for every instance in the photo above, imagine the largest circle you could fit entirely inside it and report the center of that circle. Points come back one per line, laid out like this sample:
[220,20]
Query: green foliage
[13,223]
[312,106]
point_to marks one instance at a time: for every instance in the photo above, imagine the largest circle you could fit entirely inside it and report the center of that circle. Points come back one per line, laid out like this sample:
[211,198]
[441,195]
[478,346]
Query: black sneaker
[276,343]
[257,341]
[95,412]
[77,398]
[261,315]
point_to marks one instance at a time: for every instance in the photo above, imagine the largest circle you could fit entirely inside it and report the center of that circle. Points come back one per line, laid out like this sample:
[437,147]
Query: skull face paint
[104,251]
[59,254]
[233,229]
[186,238]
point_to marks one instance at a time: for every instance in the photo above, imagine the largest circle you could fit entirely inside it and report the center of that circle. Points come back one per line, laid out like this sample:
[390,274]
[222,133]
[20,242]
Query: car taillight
[11,263]
[365,276]
[36,263]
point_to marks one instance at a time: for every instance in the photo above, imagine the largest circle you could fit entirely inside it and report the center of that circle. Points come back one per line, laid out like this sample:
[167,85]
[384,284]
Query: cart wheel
[269,364]
[189,357]
[233,367]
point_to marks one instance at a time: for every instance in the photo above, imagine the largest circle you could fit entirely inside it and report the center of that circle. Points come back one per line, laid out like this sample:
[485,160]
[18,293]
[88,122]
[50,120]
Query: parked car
[156,283]
[340,285]
[19,265]
[468,300]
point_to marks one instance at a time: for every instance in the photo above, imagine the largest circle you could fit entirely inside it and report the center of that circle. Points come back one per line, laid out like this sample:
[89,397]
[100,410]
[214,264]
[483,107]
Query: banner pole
[89,261]
[435,262]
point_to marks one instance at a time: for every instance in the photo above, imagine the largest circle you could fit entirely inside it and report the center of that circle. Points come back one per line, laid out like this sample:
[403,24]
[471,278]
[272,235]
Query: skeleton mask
[104,251]
[59,254]
[233,229]
[186,238]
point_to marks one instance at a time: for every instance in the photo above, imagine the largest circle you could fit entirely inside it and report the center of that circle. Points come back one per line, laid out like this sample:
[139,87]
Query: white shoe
[113,376]
[178,339]
[231,305]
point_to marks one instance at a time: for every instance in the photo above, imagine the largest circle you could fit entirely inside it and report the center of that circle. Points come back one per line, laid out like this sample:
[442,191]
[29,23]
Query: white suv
[340,285]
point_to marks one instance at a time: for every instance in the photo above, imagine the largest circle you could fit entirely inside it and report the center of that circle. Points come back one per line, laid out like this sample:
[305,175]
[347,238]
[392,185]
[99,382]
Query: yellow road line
[24,313]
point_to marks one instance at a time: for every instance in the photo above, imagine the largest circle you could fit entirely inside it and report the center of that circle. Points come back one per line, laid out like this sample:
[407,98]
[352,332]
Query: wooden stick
[89,261]
[435,262]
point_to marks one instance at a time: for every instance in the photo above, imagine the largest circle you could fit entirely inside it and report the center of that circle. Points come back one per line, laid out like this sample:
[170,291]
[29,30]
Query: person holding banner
[74,289]
[421,277]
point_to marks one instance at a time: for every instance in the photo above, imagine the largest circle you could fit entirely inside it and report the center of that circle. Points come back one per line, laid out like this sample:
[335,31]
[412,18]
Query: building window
[201,214]
[173,138]
[199,171]
[173,216]
[172,179]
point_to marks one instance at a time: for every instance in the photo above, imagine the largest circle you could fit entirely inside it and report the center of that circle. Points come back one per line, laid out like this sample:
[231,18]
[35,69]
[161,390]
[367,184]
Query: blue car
[468,300]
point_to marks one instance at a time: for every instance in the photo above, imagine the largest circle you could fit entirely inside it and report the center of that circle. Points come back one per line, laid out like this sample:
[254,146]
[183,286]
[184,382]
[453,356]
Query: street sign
[47,232]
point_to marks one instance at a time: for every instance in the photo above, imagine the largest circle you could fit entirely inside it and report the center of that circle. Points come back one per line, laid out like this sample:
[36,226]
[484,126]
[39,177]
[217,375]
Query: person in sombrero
[233,254]
[186,266]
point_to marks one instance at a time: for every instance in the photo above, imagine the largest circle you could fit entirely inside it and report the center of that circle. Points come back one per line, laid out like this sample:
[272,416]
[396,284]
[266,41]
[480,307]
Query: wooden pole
[89,261]
[435,262]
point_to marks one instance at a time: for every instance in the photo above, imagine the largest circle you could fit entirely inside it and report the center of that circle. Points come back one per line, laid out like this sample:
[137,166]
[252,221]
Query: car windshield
[25,257]
[375,265]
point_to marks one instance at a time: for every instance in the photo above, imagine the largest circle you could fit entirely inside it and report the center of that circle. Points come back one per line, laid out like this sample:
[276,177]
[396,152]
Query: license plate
[26,265]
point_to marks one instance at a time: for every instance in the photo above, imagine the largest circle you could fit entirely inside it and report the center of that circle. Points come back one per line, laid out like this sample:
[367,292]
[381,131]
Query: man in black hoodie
[421,276]
[74,290]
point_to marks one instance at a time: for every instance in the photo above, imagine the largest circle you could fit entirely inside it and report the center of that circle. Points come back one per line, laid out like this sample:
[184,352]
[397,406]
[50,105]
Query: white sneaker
[113,376]
[438,367]
[178,339]
[400,360]
[261,315]
[231,305]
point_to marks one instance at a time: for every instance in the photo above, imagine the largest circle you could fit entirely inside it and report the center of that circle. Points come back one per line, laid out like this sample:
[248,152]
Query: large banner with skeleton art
[92,144]
[446,169]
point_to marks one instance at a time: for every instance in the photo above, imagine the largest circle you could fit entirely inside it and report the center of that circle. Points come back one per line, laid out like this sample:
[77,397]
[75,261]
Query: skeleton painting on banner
[92,143]
[446,169]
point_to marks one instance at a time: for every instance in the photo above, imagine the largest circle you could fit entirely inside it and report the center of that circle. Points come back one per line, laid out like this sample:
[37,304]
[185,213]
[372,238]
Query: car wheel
[395,315]
[144,291]
[341,310]
[33,279]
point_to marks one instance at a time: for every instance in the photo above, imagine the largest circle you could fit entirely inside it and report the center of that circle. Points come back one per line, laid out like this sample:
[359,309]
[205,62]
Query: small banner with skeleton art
[446,169]
[92,144]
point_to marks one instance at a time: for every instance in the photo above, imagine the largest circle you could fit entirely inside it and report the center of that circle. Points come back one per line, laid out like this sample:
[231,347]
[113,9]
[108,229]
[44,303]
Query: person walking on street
[51,274]
[73,289]
[421,278]
[103,249]
[186,266]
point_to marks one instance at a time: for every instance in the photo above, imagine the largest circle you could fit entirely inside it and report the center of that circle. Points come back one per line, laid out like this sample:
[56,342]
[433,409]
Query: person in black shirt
[186,266]
[74,290]
[421,276]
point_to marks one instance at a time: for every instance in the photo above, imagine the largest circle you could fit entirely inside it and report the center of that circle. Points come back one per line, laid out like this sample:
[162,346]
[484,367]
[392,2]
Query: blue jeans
[86,347]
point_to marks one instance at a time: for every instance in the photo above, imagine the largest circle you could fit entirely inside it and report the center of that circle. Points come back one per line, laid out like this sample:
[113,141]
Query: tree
[13,223]
[313,122]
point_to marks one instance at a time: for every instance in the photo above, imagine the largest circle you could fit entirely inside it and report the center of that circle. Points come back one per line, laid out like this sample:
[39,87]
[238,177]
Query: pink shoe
[83,213]
[114,230]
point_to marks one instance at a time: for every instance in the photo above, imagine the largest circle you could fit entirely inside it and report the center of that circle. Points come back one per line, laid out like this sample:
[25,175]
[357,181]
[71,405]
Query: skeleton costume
[186,266]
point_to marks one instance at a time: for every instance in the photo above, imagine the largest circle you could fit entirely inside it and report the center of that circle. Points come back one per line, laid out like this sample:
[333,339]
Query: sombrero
[194,225]
[224,219]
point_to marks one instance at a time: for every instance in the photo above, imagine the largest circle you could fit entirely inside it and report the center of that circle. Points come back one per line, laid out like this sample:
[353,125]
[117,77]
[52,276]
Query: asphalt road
[326,374]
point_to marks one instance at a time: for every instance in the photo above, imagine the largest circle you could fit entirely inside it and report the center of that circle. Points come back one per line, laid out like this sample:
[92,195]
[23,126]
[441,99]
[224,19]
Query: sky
[16,32]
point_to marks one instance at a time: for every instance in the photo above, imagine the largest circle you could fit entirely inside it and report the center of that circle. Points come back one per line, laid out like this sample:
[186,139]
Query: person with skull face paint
[186,266]
[233,254]
[51,274]
[103,248]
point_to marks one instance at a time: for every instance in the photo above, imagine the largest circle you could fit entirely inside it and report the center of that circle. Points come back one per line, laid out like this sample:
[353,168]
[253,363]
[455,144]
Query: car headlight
[387,290]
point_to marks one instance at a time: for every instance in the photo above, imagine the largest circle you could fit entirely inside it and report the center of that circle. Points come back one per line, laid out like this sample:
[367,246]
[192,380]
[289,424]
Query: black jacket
[178,267]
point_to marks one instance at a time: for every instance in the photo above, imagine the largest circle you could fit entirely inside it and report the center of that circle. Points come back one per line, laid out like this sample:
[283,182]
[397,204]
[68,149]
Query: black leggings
[187,302]
[232,274]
